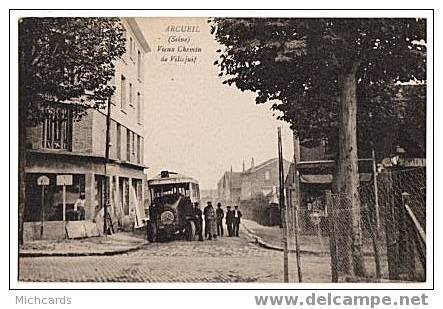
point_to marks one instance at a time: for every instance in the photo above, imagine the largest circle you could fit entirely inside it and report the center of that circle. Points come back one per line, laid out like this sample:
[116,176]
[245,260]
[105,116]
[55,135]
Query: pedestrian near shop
[79,207]
[229,221]
[236,220]
[210,226]
[219,218]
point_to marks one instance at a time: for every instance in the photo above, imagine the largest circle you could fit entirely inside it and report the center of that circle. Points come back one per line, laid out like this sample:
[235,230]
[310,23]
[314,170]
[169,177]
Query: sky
[195,125]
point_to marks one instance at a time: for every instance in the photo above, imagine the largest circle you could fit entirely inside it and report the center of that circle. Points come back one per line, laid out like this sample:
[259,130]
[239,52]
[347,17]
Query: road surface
[222,260]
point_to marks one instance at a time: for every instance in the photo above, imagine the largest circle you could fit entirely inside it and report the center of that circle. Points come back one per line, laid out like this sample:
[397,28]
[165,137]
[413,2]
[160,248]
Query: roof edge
[138,33]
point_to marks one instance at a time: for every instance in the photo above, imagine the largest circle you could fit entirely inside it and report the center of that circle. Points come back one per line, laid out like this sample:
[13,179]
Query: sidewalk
[118,243]
[271,237]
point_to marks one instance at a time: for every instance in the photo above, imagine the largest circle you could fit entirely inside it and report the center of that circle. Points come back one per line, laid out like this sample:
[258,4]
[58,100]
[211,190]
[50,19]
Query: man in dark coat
[219,215]
[210,226]
[229,221]
[198,221]
[236,220]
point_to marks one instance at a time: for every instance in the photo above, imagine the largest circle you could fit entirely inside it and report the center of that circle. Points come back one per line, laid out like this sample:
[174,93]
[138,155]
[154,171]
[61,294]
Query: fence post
[332,241]
[374,237]
[390,224]
[407,257]
[418,245]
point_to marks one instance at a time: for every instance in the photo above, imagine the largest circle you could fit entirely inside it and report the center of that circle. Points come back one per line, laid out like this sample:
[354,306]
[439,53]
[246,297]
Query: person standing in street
[230,221]
[210,228]
[219,217]
[198,221]
[236,219]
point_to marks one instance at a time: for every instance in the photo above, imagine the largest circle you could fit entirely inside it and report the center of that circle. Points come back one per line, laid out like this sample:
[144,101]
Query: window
[139,108]
[131,48]
[267,175]
[130,94]
[139,65]
[123,93]
[119,141]
[128,145]
[57,130]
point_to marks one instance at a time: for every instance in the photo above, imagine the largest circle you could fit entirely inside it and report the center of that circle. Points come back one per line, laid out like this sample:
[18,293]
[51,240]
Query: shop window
[53,199]
[123,191]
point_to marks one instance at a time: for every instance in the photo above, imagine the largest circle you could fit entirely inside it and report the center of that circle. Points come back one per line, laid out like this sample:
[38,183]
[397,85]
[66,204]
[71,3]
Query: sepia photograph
[227,149]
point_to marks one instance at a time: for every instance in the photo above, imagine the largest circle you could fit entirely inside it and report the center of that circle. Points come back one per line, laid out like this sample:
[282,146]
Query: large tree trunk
[21,170]
[23,101]
[347,201]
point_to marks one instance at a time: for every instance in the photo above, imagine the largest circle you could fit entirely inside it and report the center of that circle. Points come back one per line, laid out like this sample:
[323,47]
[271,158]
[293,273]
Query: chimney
[244,169]
[252,162]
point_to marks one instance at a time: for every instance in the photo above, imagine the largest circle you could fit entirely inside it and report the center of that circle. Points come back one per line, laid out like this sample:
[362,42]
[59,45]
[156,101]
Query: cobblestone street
[223,260]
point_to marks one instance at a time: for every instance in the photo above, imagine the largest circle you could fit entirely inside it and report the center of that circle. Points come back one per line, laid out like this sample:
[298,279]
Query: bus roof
[171,179]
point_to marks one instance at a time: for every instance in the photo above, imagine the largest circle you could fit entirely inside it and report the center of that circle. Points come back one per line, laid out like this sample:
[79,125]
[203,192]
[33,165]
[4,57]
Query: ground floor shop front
[54,208]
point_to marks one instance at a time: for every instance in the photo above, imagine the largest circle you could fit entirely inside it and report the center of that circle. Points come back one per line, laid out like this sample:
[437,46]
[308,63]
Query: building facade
[229,188]
[261,180]
[308,183]
[63,146]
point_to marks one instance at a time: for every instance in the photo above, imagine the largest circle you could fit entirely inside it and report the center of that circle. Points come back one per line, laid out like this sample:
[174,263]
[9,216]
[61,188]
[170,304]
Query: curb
[73,254]
[266,245]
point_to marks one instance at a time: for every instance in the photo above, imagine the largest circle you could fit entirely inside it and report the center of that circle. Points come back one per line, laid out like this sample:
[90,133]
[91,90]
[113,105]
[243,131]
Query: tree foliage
[334,79]
[296,65]
[67,60]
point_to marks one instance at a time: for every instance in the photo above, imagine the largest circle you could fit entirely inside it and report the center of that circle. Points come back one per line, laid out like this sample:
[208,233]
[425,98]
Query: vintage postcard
[286,148]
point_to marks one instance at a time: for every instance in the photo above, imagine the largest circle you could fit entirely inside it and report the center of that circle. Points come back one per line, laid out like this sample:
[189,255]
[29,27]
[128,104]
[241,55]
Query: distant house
[255,190]
[261,180]
[229,188]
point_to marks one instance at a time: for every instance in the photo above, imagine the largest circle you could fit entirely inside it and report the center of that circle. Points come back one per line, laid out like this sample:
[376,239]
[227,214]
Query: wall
[89,134]
[127,66]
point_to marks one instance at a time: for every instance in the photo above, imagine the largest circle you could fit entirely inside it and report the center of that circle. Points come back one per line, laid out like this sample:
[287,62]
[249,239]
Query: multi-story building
[62,146]
[261,180]
[229,187]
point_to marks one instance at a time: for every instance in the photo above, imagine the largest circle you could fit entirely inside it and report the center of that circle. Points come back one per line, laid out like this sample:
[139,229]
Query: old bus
[171,209]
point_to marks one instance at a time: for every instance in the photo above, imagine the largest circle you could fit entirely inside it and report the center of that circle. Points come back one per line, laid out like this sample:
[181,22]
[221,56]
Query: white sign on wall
[43,181]
[64,180]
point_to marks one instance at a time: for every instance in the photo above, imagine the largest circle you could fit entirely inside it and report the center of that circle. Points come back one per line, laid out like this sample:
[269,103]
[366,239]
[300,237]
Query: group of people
[214,221]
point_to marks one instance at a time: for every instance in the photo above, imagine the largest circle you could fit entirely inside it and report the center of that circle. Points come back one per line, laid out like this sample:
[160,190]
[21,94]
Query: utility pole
[296,204]
[107,182]
[377,208]
[282,208]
